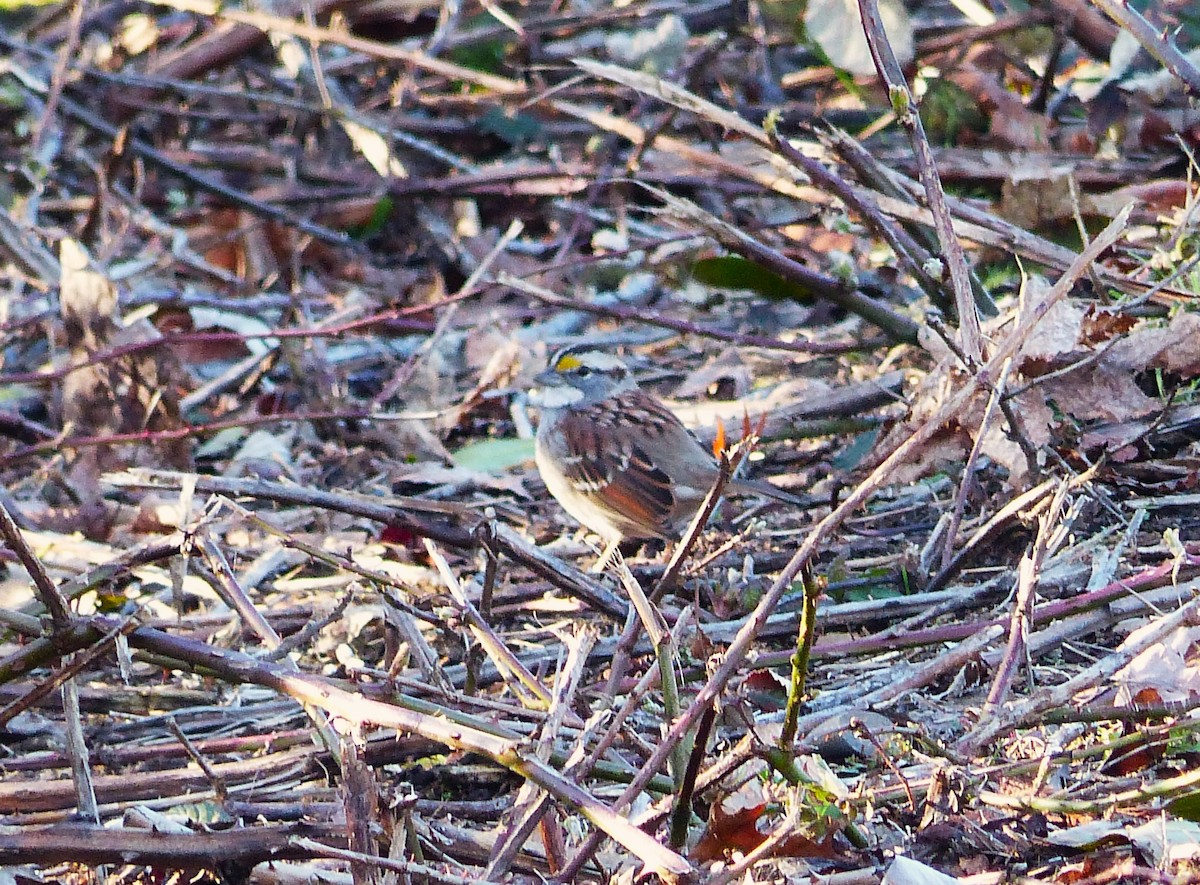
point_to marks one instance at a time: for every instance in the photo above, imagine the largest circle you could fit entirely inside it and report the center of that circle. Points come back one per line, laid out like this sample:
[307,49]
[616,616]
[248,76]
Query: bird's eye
[583,372]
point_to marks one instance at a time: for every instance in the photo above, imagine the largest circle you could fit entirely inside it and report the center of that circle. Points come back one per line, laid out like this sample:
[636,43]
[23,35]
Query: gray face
[580,378]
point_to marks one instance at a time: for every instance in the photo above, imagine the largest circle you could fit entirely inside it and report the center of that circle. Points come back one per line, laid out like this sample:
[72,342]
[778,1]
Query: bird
[615,457]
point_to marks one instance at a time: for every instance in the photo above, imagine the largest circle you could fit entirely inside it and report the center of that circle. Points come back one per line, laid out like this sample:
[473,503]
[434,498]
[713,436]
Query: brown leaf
[1100,325]
[1101,391]
[1058,333]
[730,831]
[1174,347]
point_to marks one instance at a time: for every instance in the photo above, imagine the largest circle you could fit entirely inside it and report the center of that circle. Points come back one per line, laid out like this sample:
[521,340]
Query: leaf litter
[321,617]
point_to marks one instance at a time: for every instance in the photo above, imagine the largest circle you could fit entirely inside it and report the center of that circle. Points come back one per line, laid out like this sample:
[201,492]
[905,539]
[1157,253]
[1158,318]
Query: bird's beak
[551,391]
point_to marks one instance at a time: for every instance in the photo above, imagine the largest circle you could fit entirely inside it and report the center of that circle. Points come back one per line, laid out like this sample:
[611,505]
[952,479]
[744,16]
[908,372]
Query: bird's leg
[605,557]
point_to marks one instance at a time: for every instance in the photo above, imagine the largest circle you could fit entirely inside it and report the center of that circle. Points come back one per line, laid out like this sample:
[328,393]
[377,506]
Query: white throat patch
[555,397]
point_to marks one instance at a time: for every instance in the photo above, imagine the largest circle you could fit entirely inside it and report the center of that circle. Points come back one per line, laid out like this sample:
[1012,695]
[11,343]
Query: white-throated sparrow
[615,457]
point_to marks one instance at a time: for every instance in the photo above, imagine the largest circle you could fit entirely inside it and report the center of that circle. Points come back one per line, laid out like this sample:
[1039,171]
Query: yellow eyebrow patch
[566,362]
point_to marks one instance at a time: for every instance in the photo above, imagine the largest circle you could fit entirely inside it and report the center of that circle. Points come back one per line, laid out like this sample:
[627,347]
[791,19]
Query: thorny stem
[1163,50]
[47,591]
[904,106]
[804,641]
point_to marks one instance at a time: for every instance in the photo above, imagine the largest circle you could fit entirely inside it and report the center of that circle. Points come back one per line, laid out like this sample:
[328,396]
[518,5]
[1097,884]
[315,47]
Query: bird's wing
[618,473]
[610,457]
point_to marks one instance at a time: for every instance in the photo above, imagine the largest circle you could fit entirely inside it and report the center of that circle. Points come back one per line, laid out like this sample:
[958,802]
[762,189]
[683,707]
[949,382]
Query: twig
[357,505]
[356,710]
[216,188]
[234,595]
[1165,788]
[40,651]
[81,660]
[725,469]
[47,591]
[894,323]
[1028,572]
[57,78]
[305,634]
[629,314]
[682,812]
[1021,507]
[665,654]
[527,687]
[905,108]
[425,872]
[359,792]
[231,590]
[61,442]
[321,35]
[1018,626]
[559,573]
[1163,50]
[404,374]
[947,662]
[214,778]
[897,637]
[968,473]
[620,658]
[991,727]
[77,752]
[395,319]
[81,843]
[781,832]
[533,809]
[907,249]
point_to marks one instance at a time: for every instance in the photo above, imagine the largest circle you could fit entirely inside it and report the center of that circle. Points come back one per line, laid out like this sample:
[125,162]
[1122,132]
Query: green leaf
[851,456]
[1186,806]
[486,56]
[947,110]
[736,272]
[517,129]
[494,455]
[380,213]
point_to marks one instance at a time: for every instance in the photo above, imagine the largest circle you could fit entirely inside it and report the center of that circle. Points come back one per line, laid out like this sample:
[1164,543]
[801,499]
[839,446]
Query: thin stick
[664,321]
[968,474]
[671,575]
[527,687]
[47,591]
[905,107]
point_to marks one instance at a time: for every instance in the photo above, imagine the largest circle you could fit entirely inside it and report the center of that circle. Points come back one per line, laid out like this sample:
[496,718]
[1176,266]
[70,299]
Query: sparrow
[615,457]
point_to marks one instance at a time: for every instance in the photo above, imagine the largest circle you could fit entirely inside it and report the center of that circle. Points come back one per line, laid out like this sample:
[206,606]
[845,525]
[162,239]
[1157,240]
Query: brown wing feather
[610,458]
[600,466]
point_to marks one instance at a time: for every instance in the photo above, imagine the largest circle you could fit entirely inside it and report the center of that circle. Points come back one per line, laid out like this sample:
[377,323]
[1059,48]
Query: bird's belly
[583,506]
